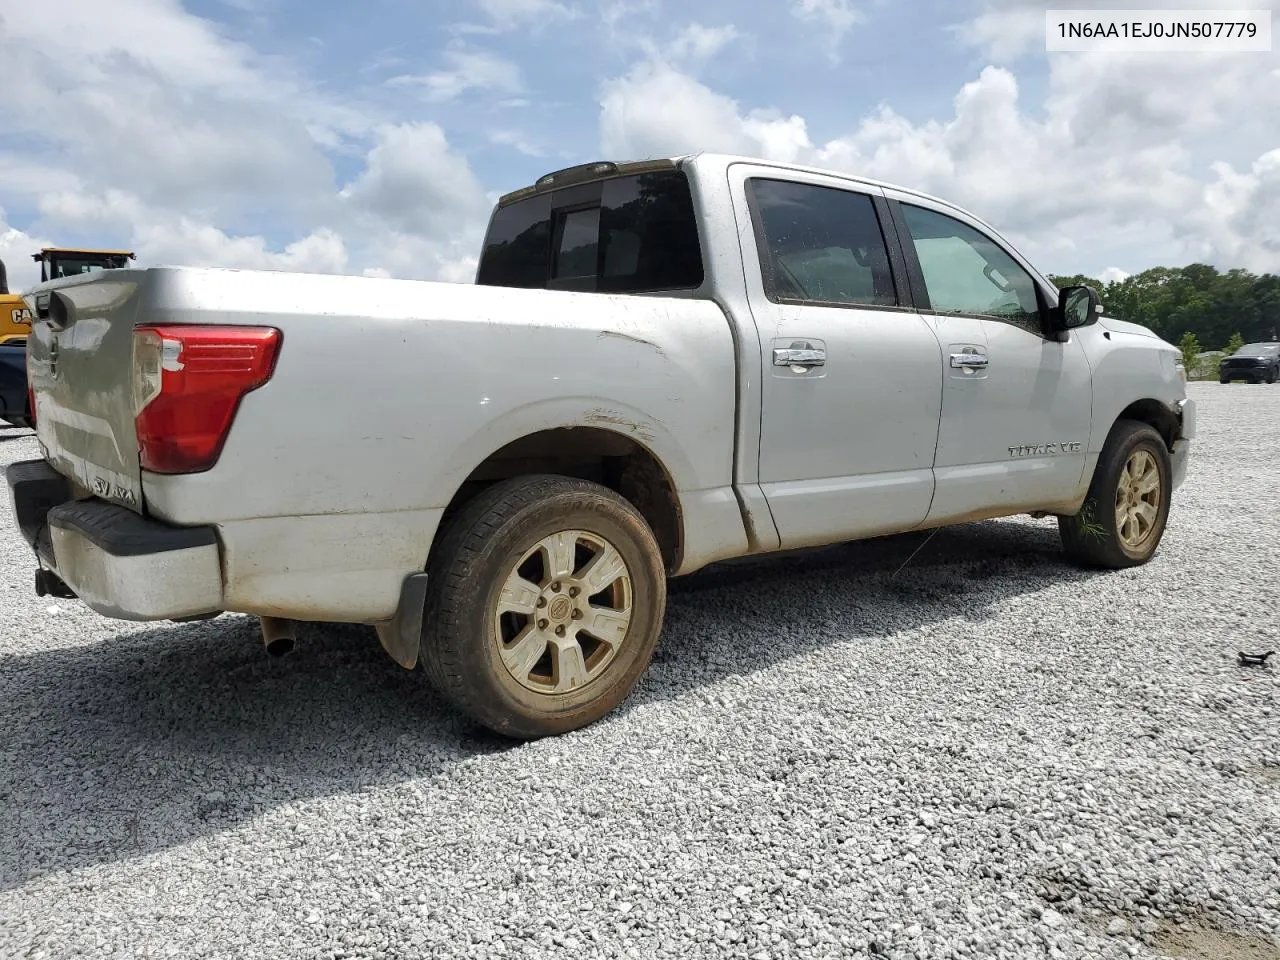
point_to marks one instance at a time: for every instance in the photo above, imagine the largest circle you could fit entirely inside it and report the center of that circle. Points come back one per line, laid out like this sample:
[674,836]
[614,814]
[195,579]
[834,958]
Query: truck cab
[58,262]
[851,298]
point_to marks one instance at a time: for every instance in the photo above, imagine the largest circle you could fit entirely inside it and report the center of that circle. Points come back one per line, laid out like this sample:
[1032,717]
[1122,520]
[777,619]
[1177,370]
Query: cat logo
[20,316]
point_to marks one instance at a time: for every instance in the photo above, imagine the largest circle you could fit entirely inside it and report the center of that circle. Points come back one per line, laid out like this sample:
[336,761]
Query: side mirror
[1077,307]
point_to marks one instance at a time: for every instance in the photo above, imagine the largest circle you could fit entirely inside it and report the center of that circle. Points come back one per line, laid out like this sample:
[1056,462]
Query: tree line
[1196,306]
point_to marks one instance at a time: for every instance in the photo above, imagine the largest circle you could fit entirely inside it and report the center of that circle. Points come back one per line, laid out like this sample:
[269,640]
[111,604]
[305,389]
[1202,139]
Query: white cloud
[1063,181]
[517,141]
[466,70]
[413,181]
[1239,223]
[411,257]
[417,206]
[155,36]
[512,14]
[189,148]
[834,17]
[617,18]
[656,111]
[16,248]
[698,42]
[1004,34]
[184,241]
[1113,275]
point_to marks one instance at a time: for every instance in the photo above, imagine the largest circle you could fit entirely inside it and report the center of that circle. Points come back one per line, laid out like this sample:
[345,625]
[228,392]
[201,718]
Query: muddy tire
[1127,507]
[545,602]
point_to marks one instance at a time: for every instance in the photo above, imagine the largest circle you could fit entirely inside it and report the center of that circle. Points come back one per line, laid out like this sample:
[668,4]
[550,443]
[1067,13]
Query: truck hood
[1124,326]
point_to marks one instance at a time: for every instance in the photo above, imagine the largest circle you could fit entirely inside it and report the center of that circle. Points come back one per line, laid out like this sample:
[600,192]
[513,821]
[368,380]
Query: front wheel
[544,606]
[1127,507]
[1271,376]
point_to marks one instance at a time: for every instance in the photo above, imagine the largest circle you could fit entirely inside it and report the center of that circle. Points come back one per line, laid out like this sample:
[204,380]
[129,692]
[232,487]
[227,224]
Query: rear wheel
[1271,376]
[1127,507]
[544,606]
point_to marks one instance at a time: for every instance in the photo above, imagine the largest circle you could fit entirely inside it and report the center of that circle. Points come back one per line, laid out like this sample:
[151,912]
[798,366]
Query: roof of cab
[117,253]
[726,160]
[604,169]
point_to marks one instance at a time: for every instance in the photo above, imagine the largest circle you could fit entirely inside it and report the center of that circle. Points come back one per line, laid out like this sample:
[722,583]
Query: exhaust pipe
[278,636]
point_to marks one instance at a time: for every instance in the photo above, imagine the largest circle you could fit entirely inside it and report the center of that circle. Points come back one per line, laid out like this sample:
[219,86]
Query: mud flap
[401,636]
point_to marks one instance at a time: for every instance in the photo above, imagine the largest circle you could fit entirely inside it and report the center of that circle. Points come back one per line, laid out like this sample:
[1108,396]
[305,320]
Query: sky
[327,137]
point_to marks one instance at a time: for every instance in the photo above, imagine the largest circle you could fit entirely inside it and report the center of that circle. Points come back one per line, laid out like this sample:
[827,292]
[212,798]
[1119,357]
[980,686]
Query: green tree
[1234,344]
[1190,347]
[1077,279]
[1196,298]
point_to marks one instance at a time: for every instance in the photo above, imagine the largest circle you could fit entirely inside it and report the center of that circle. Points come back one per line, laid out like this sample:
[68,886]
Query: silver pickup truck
[661,365]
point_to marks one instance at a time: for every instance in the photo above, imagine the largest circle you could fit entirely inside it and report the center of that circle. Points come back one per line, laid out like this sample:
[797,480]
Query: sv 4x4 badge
[1047,449]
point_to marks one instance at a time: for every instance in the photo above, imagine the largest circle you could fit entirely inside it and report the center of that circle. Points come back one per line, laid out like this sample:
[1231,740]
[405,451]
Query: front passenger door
[1016,404]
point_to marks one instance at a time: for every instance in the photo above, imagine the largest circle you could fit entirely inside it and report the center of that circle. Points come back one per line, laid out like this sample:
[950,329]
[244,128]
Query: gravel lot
[991,755]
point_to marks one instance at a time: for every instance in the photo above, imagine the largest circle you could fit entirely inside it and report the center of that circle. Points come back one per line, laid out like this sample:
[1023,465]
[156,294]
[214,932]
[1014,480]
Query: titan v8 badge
[1046,449]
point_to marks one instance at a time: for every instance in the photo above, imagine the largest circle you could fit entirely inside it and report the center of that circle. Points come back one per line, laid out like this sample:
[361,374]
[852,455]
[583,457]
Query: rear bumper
[120,564]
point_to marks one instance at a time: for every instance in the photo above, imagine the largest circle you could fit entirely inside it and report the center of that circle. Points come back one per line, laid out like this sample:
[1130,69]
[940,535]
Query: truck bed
[386,395]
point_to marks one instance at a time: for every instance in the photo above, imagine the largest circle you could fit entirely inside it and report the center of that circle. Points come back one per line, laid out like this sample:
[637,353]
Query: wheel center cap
[560,608]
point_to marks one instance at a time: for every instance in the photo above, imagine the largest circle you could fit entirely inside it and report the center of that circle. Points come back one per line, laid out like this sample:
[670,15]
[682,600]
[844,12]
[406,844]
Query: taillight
[187,384]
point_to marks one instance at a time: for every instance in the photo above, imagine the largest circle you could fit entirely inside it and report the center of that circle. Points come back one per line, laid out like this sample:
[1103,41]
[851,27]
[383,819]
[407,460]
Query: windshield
[626,235]
[72,265]
[1258,350]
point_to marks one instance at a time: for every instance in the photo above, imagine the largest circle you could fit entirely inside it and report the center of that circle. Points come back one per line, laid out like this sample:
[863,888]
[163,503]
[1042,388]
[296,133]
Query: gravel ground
[991,755]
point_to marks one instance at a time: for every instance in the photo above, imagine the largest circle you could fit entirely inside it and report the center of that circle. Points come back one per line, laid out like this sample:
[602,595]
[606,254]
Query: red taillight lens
[188,383]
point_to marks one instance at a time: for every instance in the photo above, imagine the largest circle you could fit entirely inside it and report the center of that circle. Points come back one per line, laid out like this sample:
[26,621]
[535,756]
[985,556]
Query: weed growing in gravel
[1087,523]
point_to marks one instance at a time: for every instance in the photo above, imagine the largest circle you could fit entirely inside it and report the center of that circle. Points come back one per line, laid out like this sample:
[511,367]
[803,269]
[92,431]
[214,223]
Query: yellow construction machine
[15,320]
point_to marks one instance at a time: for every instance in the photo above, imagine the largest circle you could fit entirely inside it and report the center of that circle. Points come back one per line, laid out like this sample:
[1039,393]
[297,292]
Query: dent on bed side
[629,338]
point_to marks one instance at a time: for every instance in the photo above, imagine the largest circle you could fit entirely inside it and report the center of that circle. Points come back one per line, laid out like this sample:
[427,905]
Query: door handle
[968,361]
[800,357]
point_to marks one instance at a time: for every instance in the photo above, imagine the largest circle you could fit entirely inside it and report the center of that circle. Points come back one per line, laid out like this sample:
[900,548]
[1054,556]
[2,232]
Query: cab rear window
[624,235]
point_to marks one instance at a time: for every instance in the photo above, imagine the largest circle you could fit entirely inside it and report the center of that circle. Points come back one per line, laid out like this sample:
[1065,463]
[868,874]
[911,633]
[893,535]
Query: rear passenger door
[851,377]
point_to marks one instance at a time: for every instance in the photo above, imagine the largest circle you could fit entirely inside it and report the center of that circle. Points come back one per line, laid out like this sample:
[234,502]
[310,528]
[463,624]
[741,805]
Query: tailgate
[81,371]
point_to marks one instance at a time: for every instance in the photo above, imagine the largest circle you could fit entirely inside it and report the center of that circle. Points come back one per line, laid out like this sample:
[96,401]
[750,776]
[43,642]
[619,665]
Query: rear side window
[517,251]
[820,244]
[625,235]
